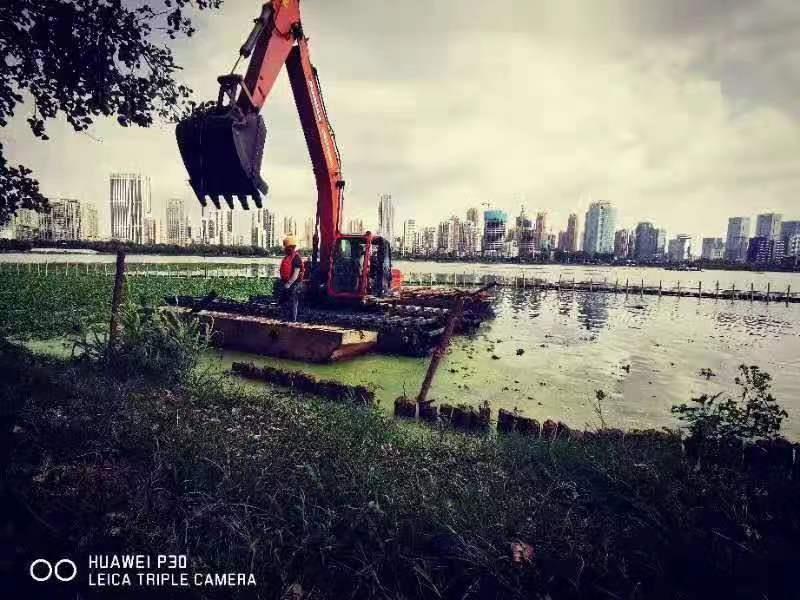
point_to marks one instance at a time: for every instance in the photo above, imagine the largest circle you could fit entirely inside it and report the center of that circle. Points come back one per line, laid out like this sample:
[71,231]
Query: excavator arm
[222,150]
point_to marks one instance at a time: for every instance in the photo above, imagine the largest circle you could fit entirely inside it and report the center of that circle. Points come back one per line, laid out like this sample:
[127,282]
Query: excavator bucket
[222,150]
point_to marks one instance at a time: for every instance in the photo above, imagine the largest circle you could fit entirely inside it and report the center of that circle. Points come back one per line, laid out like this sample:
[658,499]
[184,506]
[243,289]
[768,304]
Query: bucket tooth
[215,200]
[244,203]
[229,200]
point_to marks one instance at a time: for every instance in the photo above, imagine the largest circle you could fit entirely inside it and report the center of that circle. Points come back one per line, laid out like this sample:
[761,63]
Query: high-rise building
[131,201]
[790,234]
[540,232]
[26,225]
[494,232]
[270,232]
[646,242]
[217,226]
[386,217]
[409,245]
[449,236]
[355,226]
[571,235]
[308,233]
[526,235]
[768,225]
[791,245]
[473,216]
[680,248]
[176,222]
[713,249]
[149,230]
[598,234]
[64,220]
[427,240]
[762,250]
[469,240]
[622,243]
[289,226]
[89,225]
[736,242]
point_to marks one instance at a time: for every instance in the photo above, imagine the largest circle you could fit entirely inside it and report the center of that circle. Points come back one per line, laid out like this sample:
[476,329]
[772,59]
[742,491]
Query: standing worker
[291,281]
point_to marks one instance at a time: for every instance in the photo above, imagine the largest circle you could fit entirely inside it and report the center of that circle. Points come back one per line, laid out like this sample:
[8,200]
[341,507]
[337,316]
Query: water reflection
[593,310]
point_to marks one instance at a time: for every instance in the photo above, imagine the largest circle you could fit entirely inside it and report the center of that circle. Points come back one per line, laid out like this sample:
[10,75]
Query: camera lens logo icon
[43,570]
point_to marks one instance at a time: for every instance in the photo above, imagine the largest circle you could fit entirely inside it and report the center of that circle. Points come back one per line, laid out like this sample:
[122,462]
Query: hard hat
[289,241]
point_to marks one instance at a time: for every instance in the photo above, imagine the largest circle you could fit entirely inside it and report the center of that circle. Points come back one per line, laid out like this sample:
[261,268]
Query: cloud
[679,112]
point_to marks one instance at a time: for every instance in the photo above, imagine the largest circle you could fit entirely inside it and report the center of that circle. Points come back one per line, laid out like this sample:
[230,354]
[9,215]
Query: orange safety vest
[286,266]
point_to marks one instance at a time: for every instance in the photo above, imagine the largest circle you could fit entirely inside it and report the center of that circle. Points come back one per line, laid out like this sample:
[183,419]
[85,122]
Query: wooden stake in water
[768,290]
[441,349]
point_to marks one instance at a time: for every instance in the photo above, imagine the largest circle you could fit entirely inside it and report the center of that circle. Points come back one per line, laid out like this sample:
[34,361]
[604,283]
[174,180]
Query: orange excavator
[350,280]
[222,149]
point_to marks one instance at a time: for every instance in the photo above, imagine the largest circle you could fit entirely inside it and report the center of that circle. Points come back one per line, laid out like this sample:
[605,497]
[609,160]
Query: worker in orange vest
[291,280]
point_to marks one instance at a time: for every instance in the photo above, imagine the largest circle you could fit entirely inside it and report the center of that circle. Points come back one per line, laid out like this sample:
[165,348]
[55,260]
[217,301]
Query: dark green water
[576,343]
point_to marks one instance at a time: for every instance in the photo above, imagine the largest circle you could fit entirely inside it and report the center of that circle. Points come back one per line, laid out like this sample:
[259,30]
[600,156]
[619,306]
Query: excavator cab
[222,149]
[361,265]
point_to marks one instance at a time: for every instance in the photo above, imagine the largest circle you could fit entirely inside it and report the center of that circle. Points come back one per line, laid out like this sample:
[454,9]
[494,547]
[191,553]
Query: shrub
[160,346]
[753,415]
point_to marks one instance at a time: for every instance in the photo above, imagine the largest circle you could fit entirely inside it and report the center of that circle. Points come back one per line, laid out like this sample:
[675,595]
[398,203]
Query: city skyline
[623,100]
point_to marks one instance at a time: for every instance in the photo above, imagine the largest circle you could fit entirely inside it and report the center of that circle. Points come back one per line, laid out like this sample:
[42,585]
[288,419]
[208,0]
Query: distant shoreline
[39,247]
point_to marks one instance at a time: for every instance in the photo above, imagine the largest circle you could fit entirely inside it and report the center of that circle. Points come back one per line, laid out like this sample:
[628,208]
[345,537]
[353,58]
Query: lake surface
[645,353]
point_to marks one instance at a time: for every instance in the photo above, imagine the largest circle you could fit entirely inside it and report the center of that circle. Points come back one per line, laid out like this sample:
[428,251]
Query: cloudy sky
[682,112]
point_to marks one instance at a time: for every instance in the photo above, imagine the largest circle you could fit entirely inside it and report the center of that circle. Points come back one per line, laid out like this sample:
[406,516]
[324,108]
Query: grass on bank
[343,502]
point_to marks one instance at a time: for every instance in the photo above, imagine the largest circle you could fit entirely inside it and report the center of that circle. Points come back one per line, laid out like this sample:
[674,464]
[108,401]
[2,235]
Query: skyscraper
[768,226]
[89,224]
[427,240]
[526,235]
[150,230]
[473,216]
[131,201]
[386,217]
[308,233]
[737,240]
[680,248]
[713,249]
[176,222]
[646,243]
[568,240]
[270,233]
[622,243]
[494,232]
[355,226]
[409,237]
[598,235]
[449,236]
[289,226]
[539,232]
[64,219]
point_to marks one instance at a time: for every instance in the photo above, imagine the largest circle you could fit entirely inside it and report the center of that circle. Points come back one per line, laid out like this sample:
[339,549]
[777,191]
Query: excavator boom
[223,147]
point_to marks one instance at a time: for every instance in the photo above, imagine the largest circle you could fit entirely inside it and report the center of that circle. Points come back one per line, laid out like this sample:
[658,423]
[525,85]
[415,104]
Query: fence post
[117,299]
